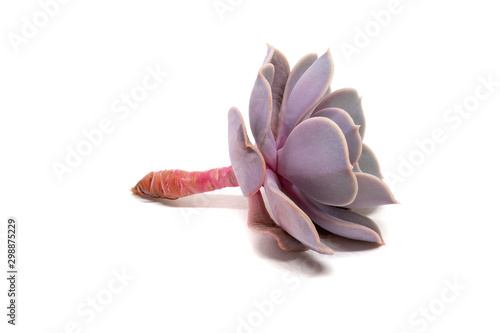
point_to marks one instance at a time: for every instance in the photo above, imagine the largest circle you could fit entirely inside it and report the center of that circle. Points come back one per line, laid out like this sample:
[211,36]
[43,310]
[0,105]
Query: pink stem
[174,184]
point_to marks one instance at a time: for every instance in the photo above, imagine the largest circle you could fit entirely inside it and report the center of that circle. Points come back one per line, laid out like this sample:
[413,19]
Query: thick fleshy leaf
[246,160]
[323,233]
[261,104]
[339,221]
[268,150]
[260,222]
[368,162]
[305,95]
[350,130]
[290,217]
[346,99]
[298,70]
[315,159]
[282,71]
[371,192]
[327,92]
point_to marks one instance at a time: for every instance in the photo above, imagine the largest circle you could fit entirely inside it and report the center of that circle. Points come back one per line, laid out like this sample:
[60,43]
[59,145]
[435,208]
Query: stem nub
[174,184]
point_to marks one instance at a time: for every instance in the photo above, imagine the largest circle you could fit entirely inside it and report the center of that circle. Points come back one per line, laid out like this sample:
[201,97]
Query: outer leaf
[268,150]
[282,71]
[337,220]
[247,162]
[368,162]
[315,158]
[305,95]
[261,103]
[350,130]
[298,70]
[371,192]
[346,99]
[290,217]
[327,92]
[260,222]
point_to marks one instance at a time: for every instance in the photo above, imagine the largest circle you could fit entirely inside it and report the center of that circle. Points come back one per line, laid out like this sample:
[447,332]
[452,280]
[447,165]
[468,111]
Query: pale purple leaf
[290,217]
[260,222]
[261,103]
[371,192]
[305,95]
[350,130]
[368,162]
[298,70]
[282,71]
[315,158]
[268,150]
[346,99]
[339,221]
[246,160]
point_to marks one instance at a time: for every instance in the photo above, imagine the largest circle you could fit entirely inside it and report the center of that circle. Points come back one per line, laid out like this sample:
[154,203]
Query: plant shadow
[304,264]
[307,264]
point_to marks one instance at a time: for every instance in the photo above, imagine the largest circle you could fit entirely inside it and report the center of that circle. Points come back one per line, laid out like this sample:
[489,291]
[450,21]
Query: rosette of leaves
[308,155]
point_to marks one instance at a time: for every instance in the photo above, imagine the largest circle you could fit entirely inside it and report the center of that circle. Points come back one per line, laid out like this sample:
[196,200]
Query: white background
[192,263]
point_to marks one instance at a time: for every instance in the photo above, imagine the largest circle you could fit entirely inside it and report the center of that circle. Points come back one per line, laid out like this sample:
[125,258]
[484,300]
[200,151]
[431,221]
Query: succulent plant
[308,155]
